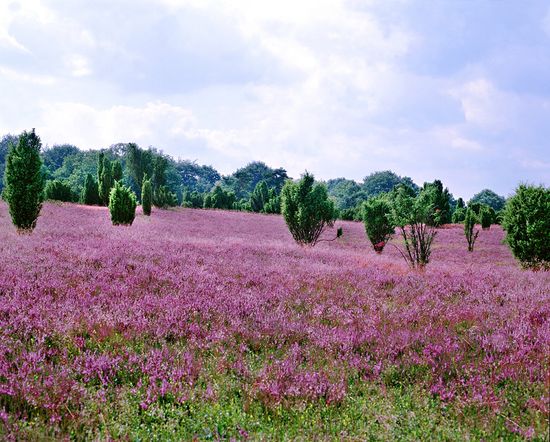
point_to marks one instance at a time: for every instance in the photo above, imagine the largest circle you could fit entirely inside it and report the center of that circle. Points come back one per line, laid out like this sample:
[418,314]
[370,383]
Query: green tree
[459,215]
[117,171]
[414,218]
[306,209]
[194,200]
[385,181]
[527,224]
[57,190]
[378,222]
[122,204]
[146,196]
[24,182]
[486,215]
[489,198]
[219,199]
[90,192]
[259,197]
[164,198]
[440,201]
[138,163]
[273,203]
[469,224]
[105,181]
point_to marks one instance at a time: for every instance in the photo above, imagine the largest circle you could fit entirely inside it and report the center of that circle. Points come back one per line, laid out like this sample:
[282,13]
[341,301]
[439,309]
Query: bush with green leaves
[164,198]
[57,190]
[459,215]
[414,218]
[379,225]
[117,172]
[122,204]
[469,224]
[220,199]
[307,209]
[194,199]
[146,196]
[90,191]
[527,224]
[259,197]
[486,215]
[106,181]
[24,182]
[273,204]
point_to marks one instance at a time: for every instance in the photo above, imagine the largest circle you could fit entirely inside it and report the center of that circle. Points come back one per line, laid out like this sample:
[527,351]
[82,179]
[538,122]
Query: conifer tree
[122,205]
[24,182]
[90,192]
[117,171]
[105,181]
[146,196]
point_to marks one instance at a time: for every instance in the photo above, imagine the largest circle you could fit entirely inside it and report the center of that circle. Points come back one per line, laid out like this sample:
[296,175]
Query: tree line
[125,174]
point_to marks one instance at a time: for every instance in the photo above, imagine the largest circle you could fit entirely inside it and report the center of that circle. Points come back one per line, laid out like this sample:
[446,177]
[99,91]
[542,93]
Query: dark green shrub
[469,224]
[259,197]
[23,181]
[117,171]
[164,198]
[106,181]
[307,209]
[486,217]
[122,204]
[146,196]
[219,199]
[90,191]
[459,215]
[57,190]
[414,218]
[527,224]
[273,204]
[378,222]
[193,199]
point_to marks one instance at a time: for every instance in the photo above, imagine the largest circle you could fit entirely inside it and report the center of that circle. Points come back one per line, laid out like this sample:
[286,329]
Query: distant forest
[254,187]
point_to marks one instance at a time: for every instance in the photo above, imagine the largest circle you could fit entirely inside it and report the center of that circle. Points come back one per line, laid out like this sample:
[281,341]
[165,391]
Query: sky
[457,90]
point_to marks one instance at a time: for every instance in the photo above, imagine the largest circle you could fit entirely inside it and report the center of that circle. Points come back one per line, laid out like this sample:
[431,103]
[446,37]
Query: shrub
[273,204]
[527,224]
[307,209]
[106,181]
[378,222]
[24,182]
[146,196]
[193,199]
[164,198]
[486,217]
[259,197]
[90,191]
[219,199]
[117,171]
[57,190]
[414,218]
[459,215]
[469,224]
[122,204]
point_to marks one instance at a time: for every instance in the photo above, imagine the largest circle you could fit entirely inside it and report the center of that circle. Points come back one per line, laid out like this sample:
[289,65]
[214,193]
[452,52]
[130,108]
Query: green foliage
[146,196]
[486,216]
[385,181]
[106,181]
[351,214]
[164,198]
[489,198]
[243,182]
[196,178]
[440,201]
[5,144]
[160,164]
[307,209]
[459,215]
[138,163]
[273,204]
[259,197]
[23,181]
[347,194]
[219,199]
[460,204]
[469,224]
[414,218]
[54,157]
[194,200]
[90,192]
[527,224]
[122,204]
[117,172]
[378,222]
[57,190]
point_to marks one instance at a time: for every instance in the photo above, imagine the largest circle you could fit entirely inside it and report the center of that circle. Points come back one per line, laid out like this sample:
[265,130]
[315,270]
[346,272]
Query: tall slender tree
[105,182]
[24,182]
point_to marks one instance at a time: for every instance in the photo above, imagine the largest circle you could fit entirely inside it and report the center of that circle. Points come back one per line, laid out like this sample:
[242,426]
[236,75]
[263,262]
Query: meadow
[215,325]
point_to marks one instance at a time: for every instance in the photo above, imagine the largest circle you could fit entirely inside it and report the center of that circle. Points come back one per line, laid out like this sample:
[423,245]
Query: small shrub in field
[90,192]
[414,218]
[527,224]
[378,222]
[486,217]
[122,204]
[469,224]
[146,196]
[57,190]
[307,209]
[24,182]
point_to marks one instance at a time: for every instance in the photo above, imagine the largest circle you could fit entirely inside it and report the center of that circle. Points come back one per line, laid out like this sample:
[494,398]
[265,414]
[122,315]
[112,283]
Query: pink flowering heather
[187,307]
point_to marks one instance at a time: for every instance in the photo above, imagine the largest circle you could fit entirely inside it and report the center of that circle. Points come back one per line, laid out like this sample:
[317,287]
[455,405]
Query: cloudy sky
[452,89]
